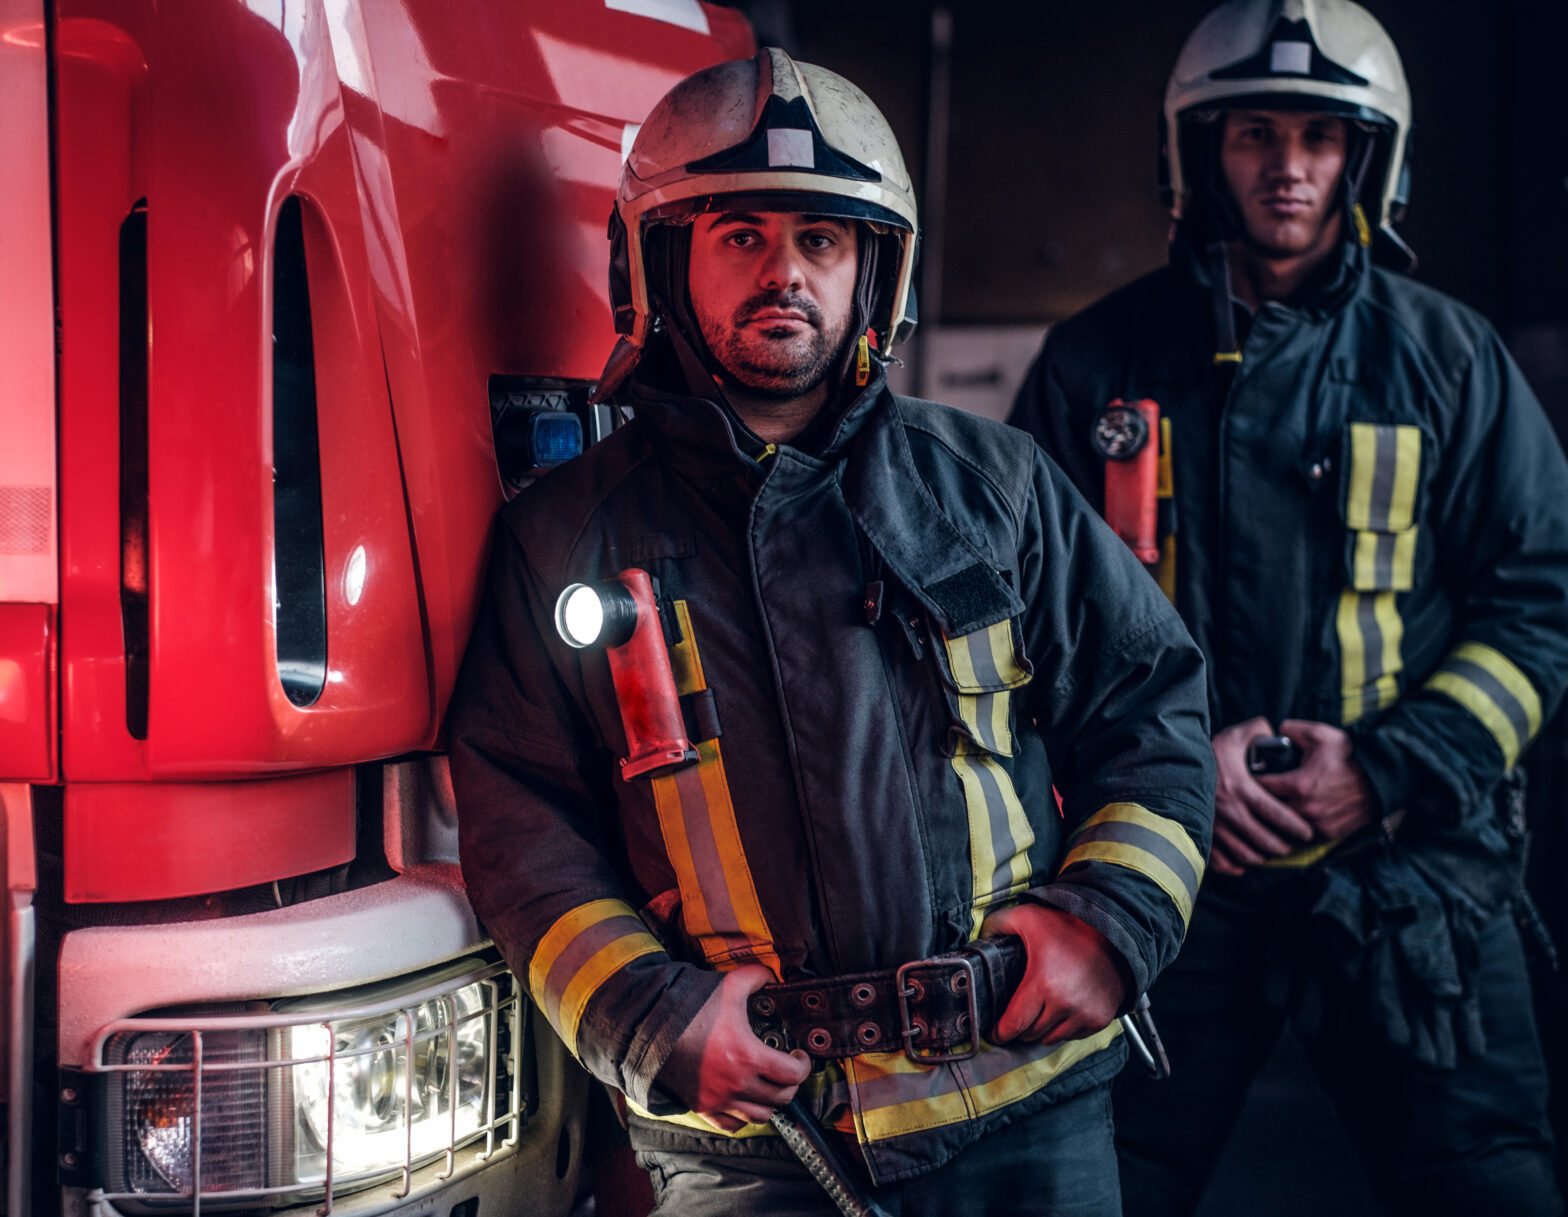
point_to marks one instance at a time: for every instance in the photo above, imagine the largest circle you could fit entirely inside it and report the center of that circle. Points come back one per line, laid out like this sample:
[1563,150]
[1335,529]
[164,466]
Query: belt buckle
[909,1032]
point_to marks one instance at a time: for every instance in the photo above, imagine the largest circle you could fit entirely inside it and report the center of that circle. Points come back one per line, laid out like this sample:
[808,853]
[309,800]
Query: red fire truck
[290,291]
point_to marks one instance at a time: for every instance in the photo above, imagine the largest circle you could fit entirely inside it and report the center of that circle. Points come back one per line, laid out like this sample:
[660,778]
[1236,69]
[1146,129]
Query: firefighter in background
[1368,537]
[868,604]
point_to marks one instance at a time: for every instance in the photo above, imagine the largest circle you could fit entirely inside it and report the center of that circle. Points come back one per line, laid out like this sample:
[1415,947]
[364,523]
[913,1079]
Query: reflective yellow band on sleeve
[1489,685]
[581,951]
[720,909]
[1130,835]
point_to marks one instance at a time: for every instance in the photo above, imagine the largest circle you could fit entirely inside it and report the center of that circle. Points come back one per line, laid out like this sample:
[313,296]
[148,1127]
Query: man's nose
[782,267]
[1289,160]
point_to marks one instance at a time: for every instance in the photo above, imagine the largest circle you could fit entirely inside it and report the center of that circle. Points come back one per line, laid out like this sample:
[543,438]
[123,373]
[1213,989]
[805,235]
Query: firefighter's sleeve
[532,803]
[1119,695]
[1500,514]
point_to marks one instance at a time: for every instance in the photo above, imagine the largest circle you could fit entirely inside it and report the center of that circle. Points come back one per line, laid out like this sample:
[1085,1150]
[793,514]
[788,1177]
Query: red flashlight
[1127,436]
[621,615]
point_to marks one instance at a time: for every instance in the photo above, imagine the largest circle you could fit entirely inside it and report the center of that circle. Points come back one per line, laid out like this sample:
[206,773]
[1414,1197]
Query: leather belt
[928,1009]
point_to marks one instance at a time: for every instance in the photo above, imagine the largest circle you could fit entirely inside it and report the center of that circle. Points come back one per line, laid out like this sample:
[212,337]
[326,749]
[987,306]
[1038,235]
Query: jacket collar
[700,433]
[1346,273]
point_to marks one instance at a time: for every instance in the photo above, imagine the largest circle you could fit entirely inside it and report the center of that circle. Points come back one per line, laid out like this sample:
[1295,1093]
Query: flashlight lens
[582,616]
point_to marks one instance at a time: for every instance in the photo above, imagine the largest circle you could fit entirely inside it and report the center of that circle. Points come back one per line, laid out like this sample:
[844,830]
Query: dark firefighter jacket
[874,788]
[1371,522]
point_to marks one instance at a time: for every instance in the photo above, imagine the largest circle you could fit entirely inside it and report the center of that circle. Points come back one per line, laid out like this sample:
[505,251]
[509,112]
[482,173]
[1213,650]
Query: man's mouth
[1284,204]
[778,316]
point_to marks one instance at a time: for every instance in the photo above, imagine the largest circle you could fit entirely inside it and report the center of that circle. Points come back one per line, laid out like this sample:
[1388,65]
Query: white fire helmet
[1323,56]
[760,134]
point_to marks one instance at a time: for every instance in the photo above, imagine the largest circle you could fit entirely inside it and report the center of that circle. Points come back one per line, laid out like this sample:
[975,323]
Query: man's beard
[768,368]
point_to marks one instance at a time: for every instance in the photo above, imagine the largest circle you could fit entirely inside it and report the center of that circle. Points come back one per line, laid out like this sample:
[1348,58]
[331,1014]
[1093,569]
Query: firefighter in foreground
[1366,531]
[867,604]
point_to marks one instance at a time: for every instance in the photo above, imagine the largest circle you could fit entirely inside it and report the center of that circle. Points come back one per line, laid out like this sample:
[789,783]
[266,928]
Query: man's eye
[818,240]
[741,239]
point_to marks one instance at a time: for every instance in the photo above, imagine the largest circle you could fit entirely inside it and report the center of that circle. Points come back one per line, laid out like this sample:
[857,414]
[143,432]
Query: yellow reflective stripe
[690,1119]
[605,963]
[1165,573]
[1133,858]
[1129,835]
[1352,657]
[986,716]
[583,949]
[685,663]
[894,1097]
[1506,673]
[1304,855]
[985,660]
[959,662]
[1371,637]
[1407,473]
[1363,461]
[1484,708]
[1000,834]
[1489,685]
[720,908]
[1385,470]
[1164,481]
[1384,561]
[1140,816]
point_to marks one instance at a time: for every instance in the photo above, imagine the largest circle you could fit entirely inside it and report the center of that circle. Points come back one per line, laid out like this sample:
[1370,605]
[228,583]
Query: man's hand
[1251,822]
[721,1070]
[1073,985]
[1329,790]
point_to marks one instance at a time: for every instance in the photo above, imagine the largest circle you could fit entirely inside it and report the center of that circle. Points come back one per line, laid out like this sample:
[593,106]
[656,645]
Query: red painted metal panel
[28,545]
[455,179]
[154,841]
[491,164]
[28,723]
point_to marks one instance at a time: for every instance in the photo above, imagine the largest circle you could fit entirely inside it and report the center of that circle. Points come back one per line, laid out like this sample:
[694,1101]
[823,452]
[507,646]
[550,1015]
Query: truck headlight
[360,1093]
[313,1095]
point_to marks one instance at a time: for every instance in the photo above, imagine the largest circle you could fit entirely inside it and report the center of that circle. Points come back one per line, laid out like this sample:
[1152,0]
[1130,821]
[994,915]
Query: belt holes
[763,1005]
[773,1040]
[869,1033]
[812,1000]
[863,994]
[917,1028]
[959,982]
[818,1039]
[963,1024]
[914,990]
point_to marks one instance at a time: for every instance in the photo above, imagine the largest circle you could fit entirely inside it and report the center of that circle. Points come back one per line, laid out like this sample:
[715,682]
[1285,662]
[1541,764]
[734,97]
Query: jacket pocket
[979,672]
[1380,504]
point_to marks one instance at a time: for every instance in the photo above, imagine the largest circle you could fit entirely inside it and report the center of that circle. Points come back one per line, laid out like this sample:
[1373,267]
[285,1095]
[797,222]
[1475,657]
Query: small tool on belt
[1144,1039]
[825,1161]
